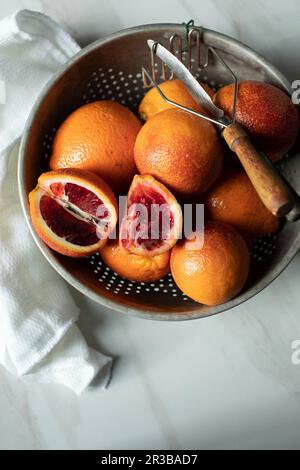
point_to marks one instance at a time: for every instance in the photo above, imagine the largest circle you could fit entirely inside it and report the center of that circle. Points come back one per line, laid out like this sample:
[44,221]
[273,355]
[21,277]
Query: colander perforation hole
[114,85]
[264,248]
[114,283]
[47,142]
[212,84]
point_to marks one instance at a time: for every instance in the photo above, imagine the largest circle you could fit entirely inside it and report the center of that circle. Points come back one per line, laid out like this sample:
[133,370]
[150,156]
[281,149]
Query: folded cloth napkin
[39,340]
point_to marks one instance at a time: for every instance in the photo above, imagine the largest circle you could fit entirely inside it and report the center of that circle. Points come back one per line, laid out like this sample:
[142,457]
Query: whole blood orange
[153,220]
[266,112]
[216,272]
[182,151]
[175,90]
[232,199]
[135,267]
[98,137]
[73,211]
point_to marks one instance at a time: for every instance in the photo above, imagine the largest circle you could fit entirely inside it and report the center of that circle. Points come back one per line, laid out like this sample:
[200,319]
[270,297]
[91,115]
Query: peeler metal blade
[187,78]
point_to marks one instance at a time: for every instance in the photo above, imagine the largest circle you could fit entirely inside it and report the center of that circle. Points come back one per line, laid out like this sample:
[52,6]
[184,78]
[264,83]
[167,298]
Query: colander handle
[274,191]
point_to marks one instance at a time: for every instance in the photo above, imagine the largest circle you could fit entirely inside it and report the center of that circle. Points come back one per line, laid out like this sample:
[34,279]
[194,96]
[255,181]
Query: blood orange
[181,151]
[73,211]
[153,221]
[135,267]
[98,137]
[232,199]
[215,273]
[266,112]
[175,90]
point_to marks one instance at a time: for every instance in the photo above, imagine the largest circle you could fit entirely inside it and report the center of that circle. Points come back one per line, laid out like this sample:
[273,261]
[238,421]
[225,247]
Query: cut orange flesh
[153,220]
[73,211]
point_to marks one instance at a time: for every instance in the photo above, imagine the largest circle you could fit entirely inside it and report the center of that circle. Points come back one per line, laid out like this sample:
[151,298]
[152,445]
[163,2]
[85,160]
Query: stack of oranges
[102,150]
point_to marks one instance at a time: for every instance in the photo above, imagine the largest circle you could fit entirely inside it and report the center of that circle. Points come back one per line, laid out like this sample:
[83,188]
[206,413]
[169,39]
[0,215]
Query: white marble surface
[223,382]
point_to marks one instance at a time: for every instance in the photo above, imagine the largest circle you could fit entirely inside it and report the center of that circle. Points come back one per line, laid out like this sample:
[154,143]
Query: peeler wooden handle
[273,190]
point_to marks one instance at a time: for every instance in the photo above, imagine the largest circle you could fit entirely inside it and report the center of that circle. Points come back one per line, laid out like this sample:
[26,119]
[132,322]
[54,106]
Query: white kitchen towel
[39,340]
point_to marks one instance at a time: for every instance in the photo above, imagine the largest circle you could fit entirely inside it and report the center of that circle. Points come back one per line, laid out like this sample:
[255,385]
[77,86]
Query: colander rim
[49,255]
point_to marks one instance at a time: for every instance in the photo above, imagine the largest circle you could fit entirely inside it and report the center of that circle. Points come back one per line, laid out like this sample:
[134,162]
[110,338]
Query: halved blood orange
[152,223]
[73,211]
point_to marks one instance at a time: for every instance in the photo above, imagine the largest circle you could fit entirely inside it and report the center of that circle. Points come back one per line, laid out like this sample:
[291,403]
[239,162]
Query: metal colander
[111,69]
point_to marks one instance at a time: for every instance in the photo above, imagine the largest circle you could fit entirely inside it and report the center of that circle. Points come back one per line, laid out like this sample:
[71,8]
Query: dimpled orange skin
[135,267]
[182,151]
[233,200]
[175,90]
[98,137]
[266,112]
[215,273]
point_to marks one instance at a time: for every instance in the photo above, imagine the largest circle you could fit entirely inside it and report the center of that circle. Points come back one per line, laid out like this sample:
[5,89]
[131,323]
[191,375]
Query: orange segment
[153,222]
[73,211]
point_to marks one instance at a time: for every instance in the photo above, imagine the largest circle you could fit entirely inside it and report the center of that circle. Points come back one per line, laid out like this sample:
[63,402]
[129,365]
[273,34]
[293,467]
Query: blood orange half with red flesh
[152,223]
[73,211]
